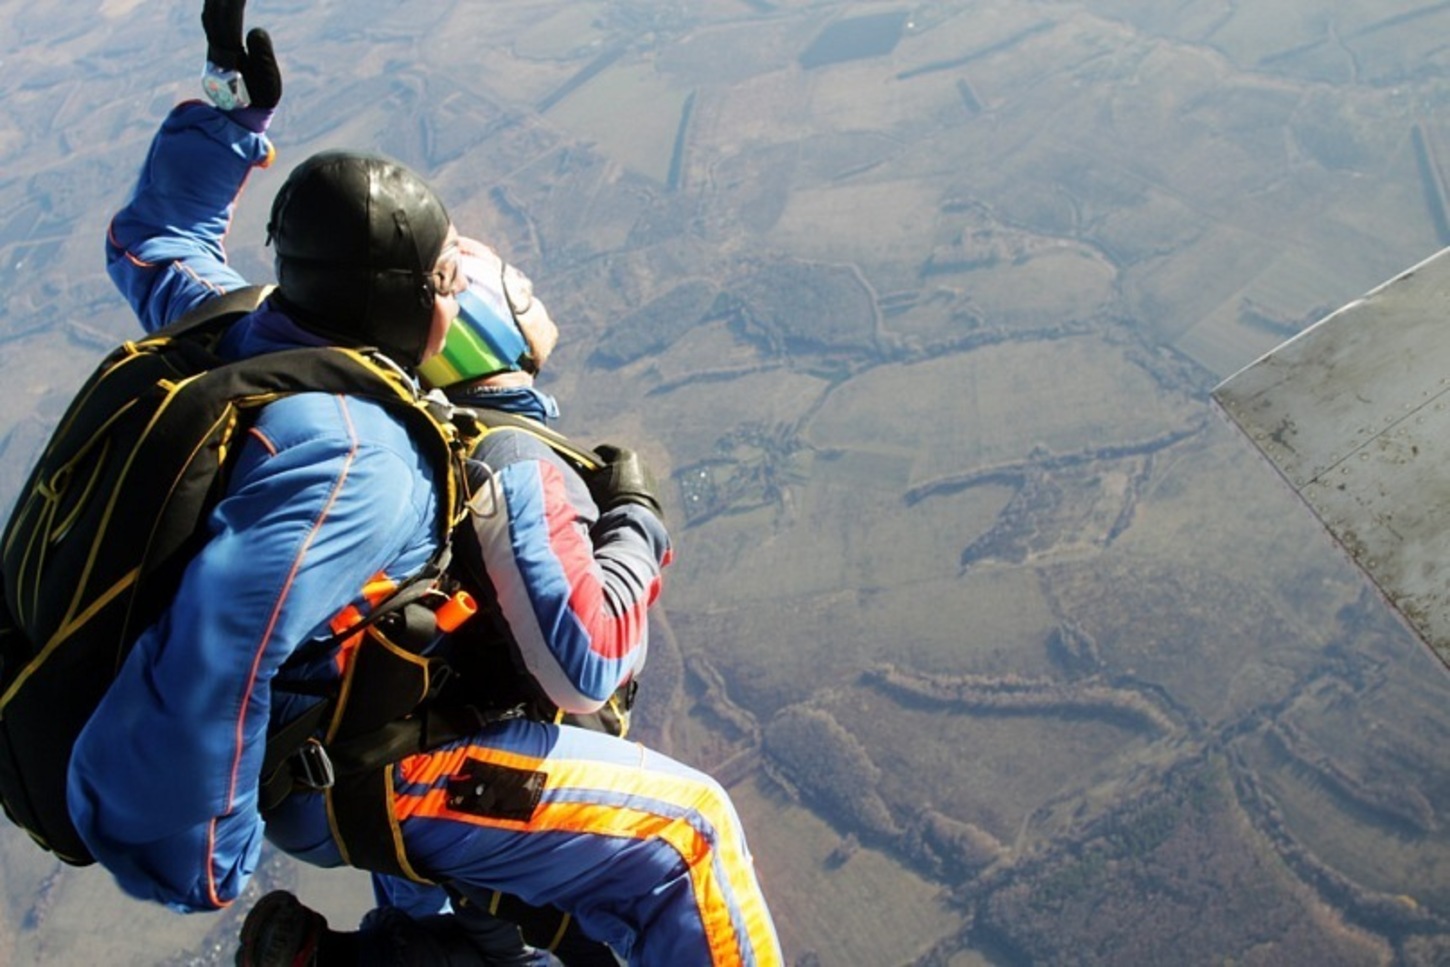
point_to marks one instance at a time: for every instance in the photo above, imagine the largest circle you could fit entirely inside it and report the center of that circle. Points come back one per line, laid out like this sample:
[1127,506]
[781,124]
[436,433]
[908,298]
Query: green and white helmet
[486,338]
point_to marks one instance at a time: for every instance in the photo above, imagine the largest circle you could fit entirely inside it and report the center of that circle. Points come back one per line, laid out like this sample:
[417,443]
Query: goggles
[448,278]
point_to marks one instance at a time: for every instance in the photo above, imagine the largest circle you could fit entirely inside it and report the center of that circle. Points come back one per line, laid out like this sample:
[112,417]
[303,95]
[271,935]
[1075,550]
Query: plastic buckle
[313,767]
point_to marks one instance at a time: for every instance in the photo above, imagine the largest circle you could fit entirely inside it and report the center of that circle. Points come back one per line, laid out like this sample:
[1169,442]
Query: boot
[281,932]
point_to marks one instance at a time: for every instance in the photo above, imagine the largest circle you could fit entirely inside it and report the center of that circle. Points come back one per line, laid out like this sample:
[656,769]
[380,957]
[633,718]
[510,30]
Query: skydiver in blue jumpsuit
[326,493]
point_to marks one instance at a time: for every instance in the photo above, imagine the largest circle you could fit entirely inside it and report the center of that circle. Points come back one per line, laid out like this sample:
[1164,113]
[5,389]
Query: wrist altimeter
[224,87]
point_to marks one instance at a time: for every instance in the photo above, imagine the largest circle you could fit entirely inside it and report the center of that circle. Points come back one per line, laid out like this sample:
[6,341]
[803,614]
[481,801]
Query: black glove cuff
[646,501]
[227,60]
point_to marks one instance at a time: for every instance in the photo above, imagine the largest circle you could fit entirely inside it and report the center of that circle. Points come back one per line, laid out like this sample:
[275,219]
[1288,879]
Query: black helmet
[357,236]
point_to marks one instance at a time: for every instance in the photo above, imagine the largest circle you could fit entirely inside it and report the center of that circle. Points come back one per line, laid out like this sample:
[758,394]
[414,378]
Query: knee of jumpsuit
[647,853]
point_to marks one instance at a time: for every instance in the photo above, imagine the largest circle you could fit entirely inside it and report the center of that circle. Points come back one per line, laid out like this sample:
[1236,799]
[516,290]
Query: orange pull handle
[455,611]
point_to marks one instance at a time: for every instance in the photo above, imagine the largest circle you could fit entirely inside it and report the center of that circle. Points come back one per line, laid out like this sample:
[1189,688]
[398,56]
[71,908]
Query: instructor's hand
[623,478]
[255,61]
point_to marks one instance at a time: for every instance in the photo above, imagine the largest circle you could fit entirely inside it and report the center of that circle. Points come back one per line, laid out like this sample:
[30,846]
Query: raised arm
[164,249]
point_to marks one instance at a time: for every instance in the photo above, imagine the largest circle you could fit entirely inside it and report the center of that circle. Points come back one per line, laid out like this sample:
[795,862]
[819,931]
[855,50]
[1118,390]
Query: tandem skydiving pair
[328,497]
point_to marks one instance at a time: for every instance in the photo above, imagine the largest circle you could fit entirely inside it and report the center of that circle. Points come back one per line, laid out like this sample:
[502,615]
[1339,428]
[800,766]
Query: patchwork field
[1008,648]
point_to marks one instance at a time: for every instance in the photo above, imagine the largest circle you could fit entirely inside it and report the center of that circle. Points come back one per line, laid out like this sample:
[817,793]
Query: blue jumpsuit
[329,491]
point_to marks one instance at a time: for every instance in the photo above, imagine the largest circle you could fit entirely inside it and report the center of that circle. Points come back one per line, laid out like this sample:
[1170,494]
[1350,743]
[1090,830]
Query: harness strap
[406,593]
[237,302]
[278,779]
[360,801]
[498,419]
[430,729]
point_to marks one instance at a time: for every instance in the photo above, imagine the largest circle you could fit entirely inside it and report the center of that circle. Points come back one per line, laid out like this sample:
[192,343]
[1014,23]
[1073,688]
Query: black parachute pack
[116,507]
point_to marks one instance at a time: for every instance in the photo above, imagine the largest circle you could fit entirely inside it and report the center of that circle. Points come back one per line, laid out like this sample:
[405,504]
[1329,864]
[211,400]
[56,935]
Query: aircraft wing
[1354,413]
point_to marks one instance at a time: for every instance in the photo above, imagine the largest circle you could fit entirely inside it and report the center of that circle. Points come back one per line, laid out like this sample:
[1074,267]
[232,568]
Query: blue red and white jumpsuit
[328,491]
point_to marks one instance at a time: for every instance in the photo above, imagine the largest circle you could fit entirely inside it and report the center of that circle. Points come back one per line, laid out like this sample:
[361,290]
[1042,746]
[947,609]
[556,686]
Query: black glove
[622,478]
[256,62]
